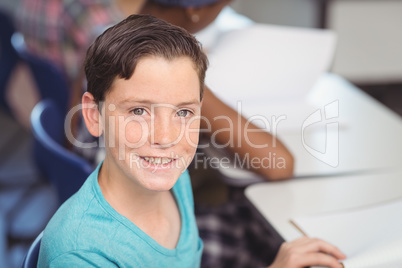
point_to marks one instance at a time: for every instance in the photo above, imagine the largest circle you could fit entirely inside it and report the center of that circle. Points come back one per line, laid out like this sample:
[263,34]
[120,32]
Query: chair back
[8,56]
[49,79]
[31,259]
[64,169]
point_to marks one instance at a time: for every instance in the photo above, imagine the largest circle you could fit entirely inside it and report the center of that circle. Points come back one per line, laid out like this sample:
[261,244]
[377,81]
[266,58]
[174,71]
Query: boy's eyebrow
[185,103]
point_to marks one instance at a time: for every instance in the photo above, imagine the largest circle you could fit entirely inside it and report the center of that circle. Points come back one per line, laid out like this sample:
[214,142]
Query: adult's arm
[246,139]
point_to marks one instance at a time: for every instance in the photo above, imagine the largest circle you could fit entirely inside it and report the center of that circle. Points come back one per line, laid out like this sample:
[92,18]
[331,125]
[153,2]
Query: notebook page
[269,62]
[368,236]
[383,255]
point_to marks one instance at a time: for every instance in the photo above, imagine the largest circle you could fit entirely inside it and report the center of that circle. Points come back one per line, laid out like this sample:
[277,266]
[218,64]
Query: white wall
[369,49]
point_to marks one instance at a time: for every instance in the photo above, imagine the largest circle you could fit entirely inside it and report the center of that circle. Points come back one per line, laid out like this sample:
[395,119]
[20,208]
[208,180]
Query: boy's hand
[307,251]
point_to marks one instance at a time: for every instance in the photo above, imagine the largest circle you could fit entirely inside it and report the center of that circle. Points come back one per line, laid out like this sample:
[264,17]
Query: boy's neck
[155,213]
[124,195]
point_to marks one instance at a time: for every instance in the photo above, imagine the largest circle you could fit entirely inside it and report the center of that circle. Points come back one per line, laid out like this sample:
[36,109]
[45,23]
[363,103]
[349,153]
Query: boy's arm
[80,258]
[213,108]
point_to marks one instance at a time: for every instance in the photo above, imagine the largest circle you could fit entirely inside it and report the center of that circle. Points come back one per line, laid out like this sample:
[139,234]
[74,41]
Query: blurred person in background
[62,30]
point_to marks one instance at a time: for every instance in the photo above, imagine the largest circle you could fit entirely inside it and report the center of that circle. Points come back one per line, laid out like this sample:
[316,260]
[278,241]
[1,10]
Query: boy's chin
[160,180]
[160,185]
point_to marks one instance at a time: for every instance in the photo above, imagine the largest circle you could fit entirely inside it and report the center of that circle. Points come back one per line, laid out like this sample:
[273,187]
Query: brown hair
[117,51]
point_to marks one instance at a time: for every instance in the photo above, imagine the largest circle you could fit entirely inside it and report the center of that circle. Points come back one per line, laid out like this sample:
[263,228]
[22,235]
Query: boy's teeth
[166,160]
[158,160]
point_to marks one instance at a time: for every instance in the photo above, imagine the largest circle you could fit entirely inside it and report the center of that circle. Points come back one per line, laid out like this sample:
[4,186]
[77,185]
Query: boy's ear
[91,114]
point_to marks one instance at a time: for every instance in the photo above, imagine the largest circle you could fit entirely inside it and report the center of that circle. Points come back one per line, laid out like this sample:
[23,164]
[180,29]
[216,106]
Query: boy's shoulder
[78,225]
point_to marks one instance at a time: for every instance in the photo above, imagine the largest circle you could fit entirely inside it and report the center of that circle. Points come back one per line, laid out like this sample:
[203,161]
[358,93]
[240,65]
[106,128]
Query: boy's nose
[164,133]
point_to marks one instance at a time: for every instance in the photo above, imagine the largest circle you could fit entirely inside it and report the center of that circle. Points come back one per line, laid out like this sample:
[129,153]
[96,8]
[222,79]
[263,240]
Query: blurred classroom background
[368,54]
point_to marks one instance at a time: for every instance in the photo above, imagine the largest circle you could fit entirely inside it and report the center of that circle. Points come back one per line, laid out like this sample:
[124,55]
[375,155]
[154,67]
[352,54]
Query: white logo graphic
[330,156]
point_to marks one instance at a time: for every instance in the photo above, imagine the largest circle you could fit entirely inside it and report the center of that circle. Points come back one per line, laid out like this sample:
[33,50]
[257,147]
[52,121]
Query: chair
[31,259]
[8,56]
[64,169]
[49,79]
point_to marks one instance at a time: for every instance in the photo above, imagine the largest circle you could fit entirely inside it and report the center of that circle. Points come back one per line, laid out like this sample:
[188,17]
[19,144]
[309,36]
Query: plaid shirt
[235,235]
[62,30]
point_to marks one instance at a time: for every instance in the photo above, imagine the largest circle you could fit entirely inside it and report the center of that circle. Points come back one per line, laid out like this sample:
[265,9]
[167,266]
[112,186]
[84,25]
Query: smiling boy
[145,86]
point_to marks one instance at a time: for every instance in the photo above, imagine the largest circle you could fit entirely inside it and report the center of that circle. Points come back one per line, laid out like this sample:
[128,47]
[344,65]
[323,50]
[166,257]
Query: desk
[280,201]
[370,135]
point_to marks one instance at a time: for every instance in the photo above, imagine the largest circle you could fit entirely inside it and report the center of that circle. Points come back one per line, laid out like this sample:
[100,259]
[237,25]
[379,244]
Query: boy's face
[151,122]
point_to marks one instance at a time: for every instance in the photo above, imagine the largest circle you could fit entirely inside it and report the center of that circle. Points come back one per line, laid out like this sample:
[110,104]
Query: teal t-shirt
[87,232]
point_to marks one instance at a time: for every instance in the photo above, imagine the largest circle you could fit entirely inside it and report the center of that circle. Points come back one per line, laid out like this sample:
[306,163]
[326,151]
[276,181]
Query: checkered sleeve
[84,20]
[234,236]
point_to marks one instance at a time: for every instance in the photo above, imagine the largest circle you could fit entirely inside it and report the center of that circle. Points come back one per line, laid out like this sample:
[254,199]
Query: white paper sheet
[370,236]
[269,63]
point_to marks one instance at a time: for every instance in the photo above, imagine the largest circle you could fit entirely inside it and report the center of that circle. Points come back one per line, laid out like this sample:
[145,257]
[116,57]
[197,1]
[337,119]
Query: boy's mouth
[158,160]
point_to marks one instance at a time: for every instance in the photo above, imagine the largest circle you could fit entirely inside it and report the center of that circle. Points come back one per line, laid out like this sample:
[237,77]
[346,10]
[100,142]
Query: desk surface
[279,202]
[369,137]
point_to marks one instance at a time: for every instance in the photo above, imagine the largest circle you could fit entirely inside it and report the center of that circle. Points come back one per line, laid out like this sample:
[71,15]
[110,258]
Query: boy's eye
[183,113]
[138,111]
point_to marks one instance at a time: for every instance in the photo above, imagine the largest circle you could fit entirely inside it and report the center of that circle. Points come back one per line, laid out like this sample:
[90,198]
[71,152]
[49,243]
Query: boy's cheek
[135,133]
[126,131]
[193,132]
